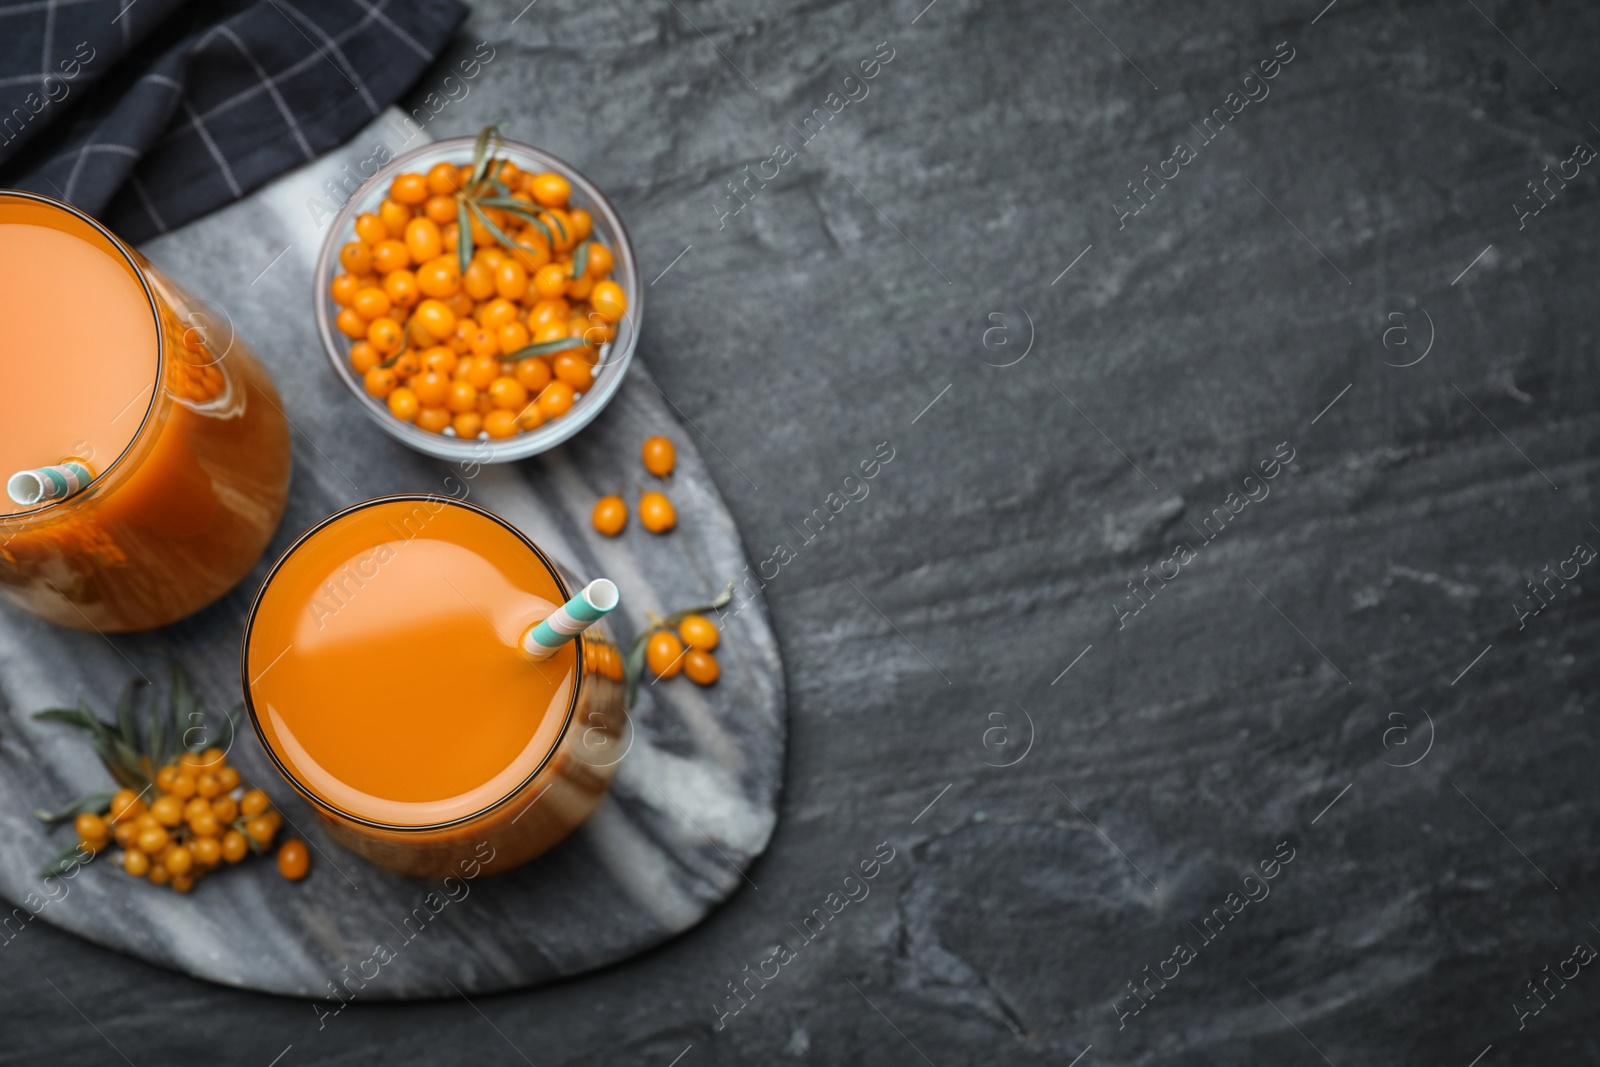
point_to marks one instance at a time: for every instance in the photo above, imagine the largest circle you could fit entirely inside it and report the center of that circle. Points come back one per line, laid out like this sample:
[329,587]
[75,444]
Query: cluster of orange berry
[656,512]
[500,347]
[194,823]
[199,383]
[688,650]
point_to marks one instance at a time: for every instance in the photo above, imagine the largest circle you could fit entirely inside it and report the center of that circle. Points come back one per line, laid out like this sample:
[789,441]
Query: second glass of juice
[384,673]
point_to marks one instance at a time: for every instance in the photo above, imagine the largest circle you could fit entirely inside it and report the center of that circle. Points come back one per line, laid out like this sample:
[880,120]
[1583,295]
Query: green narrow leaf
[69,716]
[71,857]
[719,602]
[560,227]
[405,346]
[495,231]
[480,154]
[524,211]
[545,348]
[463,236]
[580,259]
[98,803]
[633,664]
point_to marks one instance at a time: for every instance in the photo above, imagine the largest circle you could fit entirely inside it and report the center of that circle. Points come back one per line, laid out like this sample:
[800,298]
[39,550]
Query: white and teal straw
[48,483]
[591,605]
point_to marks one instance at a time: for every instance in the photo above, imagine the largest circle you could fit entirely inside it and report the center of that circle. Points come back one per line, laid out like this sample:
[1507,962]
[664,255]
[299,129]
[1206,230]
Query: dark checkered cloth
[149,113]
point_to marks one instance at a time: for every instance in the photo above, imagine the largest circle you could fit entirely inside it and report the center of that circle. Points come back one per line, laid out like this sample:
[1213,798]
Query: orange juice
[189,451]
[384,674]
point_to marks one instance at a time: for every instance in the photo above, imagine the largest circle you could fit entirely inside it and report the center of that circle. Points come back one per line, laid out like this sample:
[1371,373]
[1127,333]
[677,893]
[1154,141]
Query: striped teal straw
[48,483]
[591,605]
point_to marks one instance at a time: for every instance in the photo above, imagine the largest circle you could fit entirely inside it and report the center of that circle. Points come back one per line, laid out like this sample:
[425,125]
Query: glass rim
[528,443]
[128,256]
[255,720]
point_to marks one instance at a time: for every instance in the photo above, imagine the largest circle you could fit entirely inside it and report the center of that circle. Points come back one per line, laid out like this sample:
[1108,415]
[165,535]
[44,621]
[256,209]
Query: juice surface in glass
[104,361]
[384,673]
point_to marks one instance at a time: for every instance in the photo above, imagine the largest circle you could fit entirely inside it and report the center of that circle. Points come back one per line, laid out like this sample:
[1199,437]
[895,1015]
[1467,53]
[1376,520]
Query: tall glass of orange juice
[103,363]
[383,670]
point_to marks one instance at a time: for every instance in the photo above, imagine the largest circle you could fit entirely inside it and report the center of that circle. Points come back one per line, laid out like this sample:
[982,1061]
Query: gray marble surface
[1179,752]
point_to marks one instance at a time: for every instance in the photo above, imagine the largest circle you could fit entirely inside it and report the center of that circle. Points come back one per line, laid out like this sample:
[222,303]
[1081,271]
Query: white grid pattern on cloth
[351,75]
[216,153]
[272,89]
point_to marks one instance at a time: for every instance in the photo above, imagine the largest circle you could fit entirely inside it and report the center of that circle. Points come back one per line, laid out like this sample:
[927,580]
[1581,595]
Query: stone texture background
[930,623]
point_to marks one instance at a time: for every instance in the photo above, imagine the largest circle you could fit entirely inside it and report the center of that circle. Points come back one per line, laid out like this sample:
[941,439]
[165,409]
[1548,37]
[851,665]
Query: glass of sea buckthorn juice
[146,464]
[434,685]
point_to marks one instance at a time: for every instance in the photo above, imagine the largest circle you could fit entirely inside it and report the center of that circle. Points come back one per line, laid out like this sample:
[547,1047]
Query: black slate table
[1183,658]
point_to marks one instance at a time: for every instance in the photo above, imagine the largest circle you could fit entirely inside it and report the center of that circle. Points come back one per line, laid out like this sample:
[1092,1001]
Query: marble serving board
[695,796]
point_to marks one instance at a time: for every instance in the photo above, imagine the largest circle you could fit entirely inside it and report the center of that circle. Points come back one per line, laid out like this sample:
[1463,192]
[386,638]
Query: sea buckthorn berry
[158,874]
[484,343]
[554,331]
[343,288]
[507,393]
[254,803]
[207,785]
[225,808]
[400,286]
[659,455]
[699,632]
[663,653]
[656,513]
[370,229]
[423,239]
[582,222]
[136,863]
[126,806]
[430,388]
[167,810]
[530,417]
[403,404]
[534,374]
[444,179]
[409,188]
[433,419]
[610,515]
[574,370]
[439,277]
[385,335]
[550,280]
[497,312]
[701,667]
[153,840]
[371,304]
[145,822]
[555,220]
[91,827]
[234,846]
[194,807]
[395,215]
[125,834]
[478,281]
[260,830]
[436,318]
[294,860]
[363,357]
[556,400]
[229,777]
[500,423]
[466,424]
[440,360]
[205,824]
[481,371]
[184,786]
[600,261]
[351,324]
[390,255]
[512,337]
[608,299]
[462,304]
[356,257]
[177,859]
[548,312]
[462,396]
[511,279]
[441,209]
[207,851]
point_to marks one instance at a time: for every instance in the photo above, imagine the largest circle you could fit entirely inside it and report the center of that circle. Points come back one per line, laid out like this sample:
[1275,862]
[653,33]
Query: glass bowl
[614,356]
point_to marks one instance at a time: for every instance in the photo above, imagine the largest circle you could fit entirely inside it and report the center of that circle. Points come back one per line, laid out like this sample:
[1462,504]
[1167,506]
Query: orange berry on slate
[225,808]
[390,255]
[260,830]
[701,666]
[294,860]
[350,323]
[370,229]
[207,851]
[508,393]
[207,785]
[409,188]
[136,863]
[125,834]
[167,810]
[444,179]
[379,382]
[659,455]
[177,859]
[608,299]
[436,318]
[395,215]
[194,807]
[610,515]
[534,374]
[153,840]
[229,777]
[699,632]
[663,653]
[182,883]
[126,806]
[356,257]
[403,404]
[500,423]
[556,400]
[205,824]
[467,424]
[385,336]
[423,239]
[91,827]
[234,846]
[254,803]
[656,513]
[433,419]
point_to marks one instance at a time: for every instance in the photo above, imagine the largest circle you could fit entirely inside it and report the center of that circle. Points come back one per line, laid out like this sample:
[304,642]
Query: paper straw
[48,483]
[591,605]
